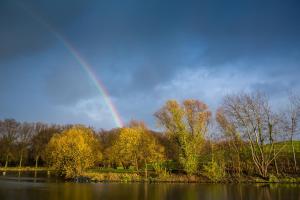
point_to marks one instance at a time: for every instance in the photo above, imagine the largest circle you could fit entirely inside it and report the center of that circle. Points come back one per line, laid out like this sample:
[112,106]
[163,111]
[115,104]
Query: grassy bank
[174,178]
[121,175]
[24,169]
[130,175]
[137,177]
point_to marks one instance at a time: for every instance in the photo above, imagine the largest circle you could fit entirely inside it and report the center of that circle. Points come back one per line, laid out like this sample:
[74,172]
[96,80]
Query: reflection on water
[28,186]
[31,176]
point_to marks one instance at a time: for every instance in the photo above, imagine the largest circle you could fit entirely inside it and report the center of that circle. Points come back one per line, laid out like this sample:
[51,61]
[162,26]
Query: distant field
[288,148]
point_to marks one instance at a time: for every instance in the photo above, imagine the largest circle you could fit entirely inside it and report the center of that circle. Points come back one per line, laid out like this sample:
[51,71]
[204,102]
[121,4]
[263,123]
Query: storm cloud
[145,52]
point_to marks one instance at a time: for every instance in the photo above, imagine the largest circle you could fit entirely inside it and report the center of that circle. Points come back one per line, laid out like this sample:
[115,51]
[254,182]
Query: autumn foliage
[73,151]
[186,126]
[136,146]
[247,136]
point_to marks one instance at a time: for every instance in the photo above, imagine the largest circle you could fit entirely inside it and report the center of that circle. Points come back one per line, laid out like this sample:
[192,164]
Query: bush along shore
[129,176]
[153,177]
[246,140]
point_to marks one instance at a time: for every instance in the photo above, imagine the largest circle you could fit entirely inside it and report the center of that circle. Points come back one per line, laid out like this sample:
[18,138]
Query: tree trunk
[264,171]
[212,151]
[239,165]
[294,155]
[36,161]
[146,170]
[21,159]
[136,163]
[6,161]
[293,130]
[275,162]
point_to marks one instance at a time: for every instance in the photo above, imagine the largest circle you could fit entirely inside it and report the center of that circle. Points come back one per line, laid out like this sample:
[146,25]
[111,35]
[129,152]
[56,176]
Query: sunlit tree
[73,151]
[186,125]
[136,146]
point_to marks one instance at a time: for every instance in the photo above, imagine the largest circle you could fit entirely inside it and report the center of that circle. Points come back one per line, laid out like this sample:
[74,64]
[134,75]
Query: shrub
[273,179]
[214,171]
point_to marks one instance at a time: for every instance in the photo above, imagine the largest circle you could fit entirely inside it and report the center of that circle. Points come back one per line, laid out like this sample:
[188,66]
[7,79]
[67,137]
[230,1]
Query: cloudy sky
[145,52]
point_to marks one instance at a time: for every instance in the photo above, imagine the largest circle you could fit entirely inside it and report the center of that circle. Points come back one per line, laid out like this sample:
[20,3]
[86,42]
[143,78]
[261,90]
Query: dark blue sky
[145,52]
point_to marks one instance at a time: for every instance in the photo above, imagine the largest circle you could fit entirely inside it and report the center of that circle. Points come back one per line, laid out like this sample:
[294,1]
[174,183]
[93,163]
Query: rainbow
[83,63]
[97,82]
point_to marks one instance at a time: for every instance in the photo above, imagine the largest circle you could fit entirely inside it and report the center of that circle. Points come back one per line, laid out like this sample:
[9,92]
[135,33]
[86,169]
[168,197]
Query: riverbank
[24,169]
[182,178]
[138,177]
[126,176]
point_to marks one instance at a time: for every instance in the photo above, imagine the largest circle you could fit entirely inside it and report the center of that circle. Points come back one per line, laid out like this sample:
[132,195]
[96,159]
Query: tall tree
[234,138]
[25,134]
[41,138]
[292,119]
[9,131]
[186,126]
[251,116]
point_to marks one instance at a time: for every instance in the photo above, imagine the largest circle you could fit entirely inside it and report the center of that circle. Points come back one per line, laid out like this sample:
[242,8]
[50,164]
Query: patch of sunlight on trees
[73,151]
[136,146]
[247,138]
[186,126]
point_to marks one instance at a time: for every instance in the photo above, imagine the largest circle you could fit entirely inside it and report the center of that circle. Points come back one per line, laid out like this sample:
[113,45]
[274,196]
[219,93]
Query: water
[25,186]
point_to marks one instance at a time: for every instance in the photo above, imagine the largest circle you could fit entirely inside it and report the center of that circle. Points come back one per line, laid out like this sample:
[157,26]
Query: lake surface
[26,186]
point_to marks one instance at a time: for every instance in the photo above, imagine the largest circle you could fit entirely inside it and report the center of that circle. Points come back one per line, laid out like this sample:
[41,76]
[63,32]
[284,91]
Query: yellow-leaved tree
[73,151]
[136,146]
[186,125]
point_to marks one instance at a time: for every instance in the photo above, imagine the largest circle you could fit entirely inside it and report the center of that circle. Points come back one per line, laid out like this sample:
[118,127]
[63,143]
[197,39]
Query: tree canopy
[251,137]
[186,125]
[73,151]
[136,146]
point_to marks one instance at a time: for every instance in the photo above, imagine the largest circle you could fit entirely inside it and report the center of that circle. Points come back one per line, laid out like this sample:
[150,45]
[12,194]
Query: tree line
[246,136]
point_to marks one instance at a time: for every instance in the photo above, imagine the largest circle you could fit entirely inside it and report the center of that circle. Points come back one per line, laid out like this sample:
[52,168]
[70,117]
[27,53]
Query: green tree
[186,126]
[73,151]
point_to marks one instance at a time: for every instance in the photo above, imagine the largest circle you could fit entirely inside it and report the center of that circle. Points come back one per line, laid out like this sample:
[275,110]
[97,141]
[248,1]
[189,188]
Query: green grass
[288,147]
[286,151]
